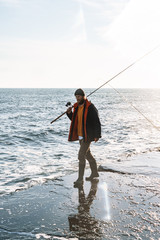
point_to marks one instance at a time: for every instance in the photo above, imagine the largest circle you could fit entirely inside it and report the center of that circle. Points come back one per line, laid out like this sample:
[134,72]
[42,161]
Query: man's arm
[69,113]
[96,122]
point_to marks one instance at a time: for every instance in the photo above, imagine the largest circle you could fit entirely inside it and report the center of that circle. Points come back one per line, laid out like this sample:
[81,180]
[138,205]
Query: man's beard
[81,102]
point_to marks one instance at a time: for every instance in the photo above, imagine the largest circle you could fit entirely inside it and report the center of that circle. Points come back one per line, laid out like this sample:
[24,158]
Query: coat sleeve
[96,122]
[69,115]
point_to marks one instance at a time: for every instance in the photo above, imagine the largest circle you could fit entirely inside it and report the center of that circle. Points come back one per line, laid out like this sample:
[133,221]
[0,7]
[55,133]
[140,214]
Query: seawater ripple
[33,151]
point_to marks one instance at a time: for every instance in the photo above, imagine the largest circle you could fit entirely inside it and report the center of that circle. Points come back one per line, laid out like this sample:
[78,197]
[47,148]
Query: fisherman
[85,127]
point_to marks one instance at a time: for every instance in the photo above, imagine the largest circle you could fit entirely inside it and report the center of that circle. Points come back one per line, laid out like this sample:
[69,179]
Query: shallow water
[32,151]
[115,207]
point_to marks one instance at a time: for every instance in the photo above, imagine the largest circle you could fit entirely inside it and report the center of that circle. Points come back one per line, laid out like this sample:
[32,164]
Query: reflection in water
[85,226]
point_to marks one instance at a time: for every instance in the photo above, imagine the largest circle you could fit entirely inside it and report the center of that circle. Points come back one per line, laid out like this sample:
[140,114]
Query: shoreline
[118,206]
[132,164]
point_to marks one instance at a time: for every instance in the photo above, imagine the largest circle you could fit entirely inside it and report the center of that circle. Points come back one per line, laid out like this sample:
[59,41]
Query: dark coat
[90,122]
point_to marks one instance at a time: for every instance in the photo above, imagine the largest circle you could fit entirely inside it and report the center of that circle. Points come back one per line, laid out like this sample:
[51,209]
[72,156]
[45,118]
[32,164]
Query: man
[85,127]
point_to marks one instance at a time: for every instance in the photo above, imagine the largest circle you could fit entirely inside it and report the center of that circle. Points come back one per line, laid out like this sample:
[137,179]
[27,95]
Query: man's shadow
[82,223]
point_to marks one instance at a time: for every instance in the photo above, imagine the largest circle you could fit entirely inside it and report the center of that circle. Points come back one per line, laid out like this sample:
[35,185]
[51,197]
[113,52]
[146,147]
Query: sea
[34,151]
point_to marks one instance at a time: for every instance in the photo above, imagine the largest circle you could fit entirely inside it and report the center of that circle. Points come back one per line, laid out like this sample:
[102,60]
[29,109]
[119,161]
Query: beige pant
[85,153]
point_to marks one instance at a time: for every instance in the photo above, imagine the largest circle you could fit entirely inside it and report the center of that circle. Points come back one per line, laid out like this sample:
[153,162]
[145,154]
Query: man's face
[80,99]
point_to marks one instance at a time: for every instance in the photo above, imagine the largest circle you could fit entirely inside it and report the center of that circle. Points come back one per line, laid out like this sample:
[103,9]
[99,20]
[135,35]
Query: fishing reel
[68,104]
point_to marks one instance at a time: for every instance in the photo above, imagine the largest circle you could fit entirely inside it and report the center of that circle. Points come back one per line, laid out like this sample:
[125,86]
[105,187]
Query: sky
[79,43]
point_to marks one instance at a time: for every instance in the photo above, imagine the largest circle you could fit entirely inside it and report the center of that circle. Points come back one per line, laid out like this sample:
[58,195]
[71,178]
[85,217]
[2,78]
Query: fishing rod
[123,97]
[111,79]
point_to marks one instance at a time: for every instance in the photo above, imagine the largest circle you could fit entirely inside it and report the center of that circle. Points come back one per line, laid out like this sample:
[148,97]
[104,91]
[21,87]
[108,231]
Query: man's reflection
[83,223]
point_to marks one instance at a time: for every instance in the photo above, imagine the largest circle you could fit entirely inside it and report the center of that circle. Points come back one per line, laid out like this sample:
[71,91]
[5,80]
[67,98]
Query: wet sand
[118,206]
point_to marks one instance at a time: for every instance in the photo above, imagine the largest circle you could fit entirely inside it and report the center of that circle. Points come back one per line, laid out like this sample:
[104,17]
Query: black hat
[79,92]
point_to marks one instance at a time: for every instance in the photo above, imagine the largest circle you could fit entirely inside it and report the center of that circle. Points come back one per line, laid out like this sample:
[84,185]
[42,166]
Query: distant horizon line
[77,87]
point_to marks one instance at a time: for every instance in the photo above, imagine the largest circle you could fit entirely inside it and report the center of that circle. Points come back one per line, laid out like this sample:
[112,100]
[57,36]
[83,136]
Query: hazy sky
[78,43]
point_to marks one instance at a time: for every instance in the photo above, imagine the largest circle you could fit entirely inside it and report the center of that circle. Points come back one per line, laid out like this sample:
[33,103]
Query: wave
[25,234]
[25,183]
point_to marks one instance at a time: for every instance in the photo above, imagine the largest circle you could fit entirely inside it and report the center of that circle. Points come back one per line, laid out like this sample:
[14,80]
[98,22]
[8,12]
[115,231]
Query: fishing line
[123,97]
[124,69]
[113,78]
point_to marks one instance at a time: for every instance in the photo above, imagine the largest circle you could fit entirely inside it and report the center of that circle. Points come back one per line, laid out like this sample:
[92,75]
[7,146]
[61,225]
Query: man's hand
[69,110]
[96,139]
